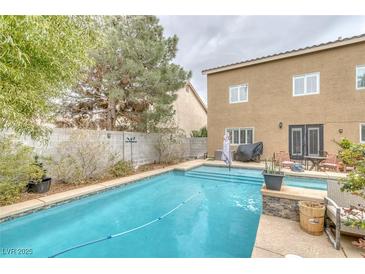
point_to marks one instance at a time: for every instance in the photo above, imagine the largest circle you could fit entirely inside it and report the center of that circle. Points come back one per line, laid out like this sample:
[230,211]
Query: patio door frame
[305,142]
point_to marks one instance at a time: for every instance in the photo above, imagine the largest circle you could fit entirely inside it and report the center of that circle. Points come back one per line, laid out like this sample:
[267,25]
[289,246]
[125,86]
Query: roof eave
[200,100]
[336,44]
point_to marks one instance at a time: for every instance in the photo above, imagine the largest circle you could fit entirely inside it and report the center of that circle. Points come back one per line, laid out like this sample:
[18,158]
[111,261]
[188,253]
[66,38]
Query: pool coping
[27,207]
[260,166]
[296,193]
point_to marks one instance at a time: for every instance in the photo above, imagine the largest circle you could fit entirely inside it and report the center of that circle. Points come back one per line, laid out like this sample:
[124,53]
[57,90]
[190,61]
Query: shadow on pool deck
[277,237]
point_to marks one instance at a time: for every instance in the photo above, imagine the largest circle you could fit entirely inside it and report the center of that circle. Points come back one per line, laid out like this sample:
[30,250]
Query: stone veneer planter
[284,203]
[280,207]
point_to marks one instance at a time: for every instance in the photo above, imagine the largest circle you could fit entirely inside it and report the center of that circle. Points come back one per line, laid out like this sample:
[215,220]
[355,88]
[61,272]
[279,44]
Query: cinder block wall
[144,151]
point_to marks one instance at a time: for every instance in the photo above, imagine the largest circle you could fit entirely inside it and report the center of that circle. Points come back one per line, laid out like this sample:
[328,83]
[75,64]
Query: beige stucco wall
[270,99]
[190,114]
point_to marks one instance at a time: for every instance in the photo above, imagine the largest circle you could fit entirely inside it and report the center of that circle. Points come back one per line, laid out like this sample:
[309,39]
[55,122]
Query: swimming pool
[170,215]
[253,175]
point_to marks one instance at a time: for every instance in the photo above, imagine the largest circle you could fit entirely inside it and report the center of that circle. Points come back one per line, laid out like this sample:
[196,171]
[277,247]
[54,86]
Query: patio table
[316,160]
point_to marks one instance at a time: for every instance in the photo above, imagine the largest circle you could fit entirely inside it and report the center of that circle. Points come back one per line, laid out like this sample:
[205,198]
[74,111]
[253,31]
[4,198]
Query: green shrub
[10,192]
[345,143]
[121,169]
[81,159]
[16,169]
[351,154]
[354,183]
[203,132]
[169,145]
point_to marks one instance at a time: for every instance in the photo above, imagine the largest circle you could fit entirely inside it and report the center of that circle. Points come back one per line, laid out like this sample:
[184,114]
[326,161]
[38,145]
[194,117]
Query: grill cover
[249,152]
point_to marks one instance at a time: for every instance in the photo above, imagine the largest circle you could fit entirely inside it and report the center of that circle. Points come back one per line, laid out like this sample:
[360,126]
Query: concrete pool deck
[42,202]
[276,236]
[261,165]
[31,205]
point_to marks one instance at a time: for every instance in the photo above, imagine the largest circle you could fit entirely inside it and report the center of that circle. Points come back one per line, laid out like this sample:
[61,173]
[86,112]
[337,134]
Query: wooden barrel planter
[312,217]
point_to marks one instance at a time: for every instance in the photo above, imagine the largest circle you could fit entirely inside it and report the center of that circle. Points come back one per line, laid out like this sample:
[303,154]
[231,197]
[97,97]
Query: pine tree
[133,84]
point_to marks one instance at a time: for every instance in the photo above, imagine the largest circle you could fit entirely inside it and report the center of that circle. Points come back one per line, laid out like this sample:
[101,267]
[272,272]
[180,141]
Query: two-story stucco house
[190,110]
[298,101]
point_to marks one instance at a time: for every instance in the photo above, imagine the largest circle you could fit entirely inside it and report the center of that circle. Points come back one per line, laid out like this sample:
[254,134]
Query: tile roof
[263,58]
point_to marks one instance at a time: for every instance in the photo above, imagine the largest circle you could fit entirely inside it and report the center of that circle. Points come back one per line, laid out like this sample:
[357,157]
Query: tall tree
[133,84]
[40,56]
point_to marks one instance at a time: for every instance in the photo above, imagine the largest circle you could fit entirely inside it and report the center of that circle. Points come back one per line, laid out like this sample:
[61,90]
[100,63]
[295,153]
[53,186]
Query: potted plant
[273,175]
[39,182]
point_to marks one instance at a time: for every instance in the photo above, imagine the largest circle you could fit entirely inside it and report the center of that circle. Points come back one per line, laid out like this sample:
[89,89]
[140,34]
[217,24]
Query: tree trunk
[111,114]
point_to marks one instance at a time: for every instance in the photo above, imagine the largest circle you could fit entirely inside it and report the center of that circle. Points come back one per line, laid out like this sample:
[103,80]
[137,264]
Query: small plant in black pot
[273,175]
[39,182]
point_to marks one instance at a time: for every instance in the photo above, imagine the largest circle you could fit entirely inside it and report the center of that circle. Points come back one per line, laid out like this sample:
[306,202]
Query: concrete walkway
[277,237]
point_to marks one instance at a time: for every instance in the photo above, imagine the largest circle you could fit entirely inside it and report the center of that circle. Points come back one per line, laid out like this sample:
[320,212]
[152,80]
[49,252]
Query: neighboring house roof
[197,96]
[287,54]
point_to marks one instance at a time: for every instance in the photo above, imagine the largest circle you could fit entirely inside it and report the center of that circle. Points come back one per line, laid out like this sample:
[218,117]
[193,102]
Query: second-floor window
[238,94]
[240,136]
[306,84]
[360,77]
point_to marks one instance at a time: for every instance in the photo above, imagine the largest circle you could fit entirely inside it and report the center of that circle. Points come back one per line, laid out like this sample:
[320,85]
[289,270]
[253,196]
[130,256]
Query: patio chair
[336,203]
[283,159]
[336,214]
[330,163]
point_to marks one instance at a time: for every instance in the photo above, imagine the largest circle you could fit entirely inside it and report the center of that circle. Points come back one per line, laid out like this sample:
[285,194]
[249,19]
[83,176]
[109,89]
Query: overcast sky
[209,41]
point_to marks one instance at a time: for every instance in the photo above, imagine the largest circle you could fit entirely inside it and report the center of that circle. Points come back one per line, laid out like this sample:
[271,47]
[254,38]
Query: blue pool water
[201,217]
[312,183]
[205,212]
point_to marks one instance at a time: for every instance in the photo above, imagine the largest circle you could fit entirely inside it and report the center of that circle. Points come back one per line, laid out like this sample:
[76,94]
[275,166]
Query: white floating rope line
[127,231]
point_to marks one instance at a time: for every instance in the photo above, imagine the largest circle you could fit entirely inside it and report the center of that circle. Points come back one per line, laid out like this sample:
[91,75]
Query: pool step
[226,180]
[232,178]
[258,177]
[227,175]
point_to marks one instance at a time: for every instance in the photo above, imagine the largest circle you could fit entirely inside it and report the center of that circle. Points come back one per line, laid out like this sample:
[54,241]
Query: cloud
[210,41]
